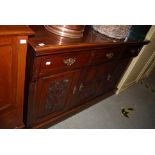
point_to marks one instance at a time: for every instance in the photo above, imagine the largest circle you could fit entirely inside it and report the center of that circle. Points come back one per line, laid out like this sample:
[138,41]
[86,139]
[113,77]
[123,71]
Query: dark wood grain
[56,88]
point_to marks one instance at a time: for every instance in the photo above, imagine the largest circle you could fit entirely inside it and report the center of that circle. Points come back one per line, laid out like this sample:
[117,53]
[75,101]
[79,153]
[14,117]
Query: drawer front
[130,52]
[61,62]
[104,55]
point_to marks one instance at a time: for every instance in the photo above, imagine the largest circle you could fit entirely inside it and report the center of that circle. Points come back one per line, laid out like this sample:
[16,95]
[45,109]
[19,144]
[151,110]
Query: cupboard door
[114,75]
[54,92]
[88,85]
[8,84]
[102,74]
[109,74]
[110,82]
[107,77]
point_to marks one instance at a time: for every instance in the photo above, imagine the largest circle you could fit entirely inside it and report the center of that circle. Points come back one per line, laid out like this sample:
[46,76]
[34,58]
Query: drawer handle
[109,55]
[109,77]
[74,90]
[69,61]
[81,86]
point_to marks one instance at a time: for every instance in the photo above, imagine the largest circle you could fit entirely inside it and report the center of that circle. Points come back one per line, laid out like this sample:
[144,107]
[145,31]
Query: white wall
[138,65]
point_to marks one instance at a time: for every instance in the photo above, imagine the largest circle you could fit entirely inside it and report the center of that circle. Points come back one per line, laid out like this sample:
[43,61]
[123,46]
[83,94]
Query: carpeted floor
[107,114]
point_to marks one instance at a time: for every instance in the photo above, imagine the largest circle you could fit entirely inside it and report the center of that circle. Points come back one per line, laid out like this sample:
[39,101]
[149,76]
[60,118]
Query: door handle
[109,77]
[81,86]
[109,55]
[74,90]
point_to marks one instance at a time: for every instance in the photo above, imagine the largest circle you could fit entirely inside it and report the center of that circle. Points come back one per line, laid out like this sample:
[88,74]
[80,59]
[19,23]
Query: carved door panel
[54,92]
[109,74]
[88,83]
[106,76]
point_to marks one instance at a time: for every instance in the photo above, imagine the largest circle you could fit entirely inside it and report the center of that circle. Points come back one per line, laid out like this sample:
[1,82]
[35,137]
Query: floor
[107,114]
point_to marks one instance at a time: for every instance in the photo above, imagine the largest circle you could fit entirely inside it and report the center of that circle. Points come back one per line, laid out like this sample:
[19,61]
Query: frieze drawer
[104,55]
[67,61]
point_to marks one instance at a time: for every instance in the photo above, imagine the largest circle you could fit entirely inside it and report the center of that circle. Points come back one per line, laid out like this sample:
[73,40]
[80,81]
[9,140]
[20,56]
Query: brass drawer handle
[109,55]
[69,61]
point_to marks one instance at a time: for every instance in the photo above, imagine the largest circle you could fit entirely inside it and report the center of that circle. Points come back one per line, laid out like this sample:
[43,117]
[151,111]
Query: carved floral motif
[56,95]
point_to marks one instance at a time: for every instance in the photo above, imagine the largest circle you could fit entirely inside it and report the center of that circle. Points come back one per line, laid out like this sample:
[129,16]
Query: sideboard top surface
[44,41]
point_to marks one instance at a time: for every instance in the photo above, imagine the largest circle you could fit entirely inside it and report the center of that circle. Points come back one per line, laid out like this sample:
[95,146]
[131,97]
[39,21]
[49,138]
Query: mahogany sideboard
[65,76]
[13,47]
